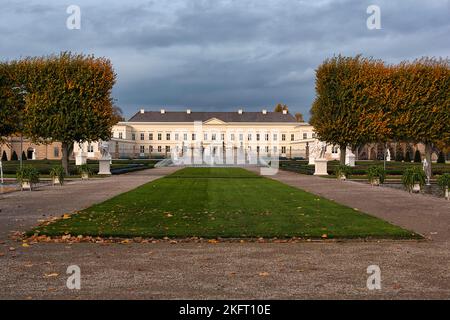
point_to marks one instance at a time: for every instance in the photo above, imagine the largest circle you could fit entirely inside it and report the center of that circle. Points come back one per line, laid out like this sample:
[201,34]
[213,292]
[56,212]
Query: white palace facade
[169,134]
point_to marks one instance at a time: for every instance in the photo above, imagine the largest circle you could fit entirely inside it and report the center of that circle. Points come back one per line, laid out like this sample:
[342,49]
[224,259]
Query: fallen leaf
[25,245]
[263,274]
[51,275]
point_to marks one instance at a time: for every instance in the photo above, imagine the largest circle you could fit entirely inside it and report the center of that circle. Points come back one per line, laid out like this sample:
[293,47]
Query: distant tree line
[362,100]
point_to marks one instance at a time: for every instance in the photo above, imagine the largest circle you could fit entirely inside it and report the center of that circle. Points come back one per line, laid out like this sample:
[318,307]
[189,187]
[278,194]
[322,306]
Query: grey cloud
[221,54]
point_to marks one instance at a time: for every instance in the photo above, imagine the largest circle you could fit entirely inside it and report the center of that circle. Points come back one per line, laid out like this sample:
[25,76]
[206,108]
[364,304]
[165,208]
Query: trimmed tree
[11,100]
[417,156]
[14,156]
[280,107]
[69,100]
[348,109]
[421,104]
[5,157]
[441,157]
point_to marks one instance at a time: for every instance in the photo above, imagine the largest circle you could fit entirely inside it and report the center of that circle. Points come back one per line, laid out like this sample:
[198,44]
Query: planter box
[26,185]
[55,180]
[416,188]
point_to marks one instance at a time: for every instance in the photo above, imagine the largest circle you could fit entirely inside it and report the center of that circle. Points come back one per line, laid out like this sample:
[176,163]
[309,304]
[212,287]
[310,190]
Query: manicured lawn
[221,202]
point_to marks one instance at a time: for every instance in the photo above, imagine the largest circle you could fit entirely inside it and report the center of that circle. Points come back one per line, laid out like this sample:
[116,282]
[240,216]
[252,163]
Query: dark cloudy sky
[222,54]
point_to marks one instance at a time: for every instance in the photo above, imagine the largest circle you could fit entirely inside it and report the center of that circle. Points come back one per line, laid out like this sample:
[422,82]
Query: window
[283,149]
[292,137]
[335,149]
[185,137]
[232,137]
[305,135]
[167,136]
[142,136]
[142,149]
[213,137]
[267,137]
[275,149]
[159,148]
[257,149]
[314,135]
[249,137]
[222,136]
[205,136]
[150,148]
[193,137]
[275,137]
[283,137]
[133,136]
[56,152]
[90,148]
[120,135]
[167,148]
[150,136]
[159,136]
[267,148]
[176,136]
[241,137]
[257,137]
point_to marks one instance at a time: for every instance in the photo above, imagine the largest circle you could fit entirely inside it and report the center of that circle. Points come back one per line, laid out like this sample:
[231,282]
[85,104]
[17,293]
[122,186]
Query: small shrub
[376,173]
[342,171]
[444,181]
[441,157]
[408,157]
[85,169]
[27,174]
[412,176]
[58,172]
[417,156]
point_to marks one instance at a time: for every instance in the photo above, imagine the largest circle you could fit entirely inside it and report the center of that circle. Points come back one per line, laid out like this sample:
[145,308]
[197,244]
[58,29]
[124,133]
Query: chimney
[264,111]
[188,111]
[163,111]
[240,111]
[285,111]
[142,111]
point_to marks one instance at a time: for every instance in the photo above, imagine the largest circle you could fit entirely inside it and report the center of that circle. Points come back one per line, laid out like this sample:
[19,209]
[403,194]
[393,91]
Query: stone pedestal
[80,158]
[320,167]
[310,160]
[350,160]
[104,166]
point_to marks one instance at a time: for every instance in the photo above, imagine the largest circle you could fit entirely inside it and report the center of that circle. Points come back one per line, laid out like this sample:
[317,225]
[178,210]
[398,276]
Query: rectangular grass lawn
[221,202]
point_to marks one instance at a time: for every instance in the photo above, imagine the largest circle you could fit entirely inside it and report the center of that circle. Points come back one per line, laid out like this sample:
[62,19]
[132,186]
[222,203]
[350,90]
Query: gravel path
[409,269]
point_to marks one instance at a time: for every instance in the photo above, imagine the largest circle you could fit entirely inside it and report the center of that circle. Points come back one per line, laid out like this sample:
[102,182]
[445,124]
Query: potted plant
[57,174]
[444,182]
[413,179]
[85,171]
[27,176]
[342,172]
[376,175]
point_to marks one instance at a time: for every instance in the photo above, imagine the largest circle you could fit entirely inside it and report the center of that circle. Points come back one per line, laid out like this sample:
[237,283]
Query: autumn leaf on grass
[66,216]
[263,274]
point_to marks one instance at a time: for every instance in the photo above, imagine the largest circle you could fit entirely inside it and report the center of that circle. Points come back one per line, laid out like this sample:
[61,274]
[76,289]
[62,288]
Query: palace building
[163,133]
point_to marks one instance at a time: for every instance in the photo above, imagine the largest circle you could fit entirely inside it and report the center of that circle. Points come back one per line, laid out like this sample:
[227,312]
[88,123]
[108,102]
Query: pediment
[214,121]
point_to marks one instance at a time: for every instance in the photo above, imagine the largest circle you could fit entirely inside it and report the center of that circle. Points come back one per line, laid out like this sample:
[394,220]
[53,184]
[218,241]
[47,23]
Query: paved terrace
[409,269]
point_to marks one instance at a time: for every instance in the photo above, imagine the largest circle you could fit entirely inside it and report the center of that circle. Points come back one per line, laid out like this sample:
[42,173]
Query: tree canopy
[68,99]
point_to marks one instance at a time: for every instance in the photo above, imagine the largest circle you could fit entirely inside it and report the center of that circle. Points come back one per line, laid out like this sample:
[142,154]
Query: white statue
[323,149]
[104,150]
[427,169]
[388,155]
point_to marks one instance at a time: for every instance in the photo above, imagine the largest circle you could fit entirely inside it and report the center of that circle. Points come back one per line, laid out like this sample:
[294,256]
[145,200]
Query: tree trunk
[343,153]
[428,152]
[65,157]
